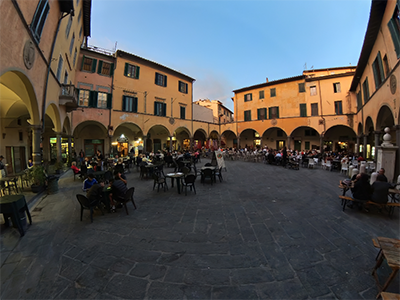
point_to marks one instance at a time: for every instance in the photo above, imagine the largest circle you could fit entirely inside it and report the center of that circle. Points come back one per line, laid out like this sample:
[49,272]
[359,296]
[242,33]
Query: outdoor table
[9,182]
[11,205]
[208,167]
[178,177]
[389,251]
[393,193]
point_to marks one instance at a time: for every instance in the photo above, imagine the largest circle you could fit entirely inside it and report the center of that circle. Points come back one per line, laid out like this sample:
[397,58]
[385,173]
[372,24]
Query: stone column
[191,144]
[377,139]
[238,143]
[365,146]
[357,149]
[58,137]
[397,166]
[144,143]
[70,146]
[321,144]
[288,140]
[170,143]
[36,140]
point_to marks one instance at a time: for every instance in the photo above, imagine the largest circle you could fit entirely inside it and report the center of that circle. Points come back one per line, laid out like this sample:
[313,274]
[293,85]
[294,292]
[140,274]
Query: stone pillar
[357,149]
[170,143]
[144,143]
[377,139]
[365,146]
[288,140]
[238,143]
[191,144]
[386,157]
[397,166]
[59,137]
[70,146]
[321,144]
[36,140]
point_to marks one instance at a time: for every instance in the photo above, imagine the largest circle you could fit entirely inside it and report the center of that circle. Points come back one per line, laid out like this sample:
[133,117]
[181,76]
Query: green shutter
[112,69]
[269,112]
[155,108]
[155,79]
[123,103]
[277,112]
[91,97]
[109,101]
[381,66]
[83,60]
[164,109]
[258,114]
[100,66]
[94,63]
[135,103]
[395,36]
[303,110]
[77,95]
[165,81]
[126,69]
[137,72]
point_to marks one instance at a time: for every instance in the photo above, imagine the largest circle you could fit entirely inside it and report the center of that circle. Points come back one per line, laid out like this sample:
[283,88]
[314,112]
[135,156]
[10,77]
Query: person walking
[81,156]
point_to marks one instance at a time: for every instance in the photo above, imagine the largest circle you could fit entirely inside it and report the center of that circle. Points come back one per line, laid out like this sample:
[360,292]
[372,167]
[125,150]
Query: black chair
[185,170]
[85,204]
[207,173]
[188,181]
[128,197]
[208,165]
[108,176]
[84,170]
[143,172]
[160,170]
[218,173]
[160,181]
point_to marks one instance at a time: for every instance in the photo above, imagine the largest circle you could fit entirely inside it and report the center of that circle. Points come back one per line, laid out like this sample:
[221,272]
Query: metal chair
[85,204]
[188,181]
[160,181]
[207,173]
[128,197]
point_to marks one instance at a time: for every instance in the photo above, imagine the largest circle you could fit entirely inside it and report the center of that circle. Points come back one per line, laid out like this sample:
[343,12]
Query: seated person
[380,190]
[95,194]
[118,190]
[362,189]
[382,172]
[89,182]
[30,164]
[119,166]
[75,169]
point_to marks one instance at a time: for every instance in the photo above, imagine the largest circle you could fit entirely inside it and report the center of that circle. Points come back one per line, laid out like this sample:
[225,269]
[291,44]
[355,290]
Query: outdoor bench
[389,205]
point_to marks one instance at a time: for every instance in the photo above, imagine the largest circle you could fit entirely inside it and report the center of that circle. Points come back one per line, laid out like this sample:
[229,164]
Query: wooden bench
[389,205]
[389,296]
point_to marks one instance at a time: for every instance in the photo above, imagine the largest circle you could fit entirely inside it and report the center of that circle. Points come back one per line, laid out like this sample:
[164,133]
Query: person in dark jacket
[380,190]
[96,194]
[118,190]
[362,190]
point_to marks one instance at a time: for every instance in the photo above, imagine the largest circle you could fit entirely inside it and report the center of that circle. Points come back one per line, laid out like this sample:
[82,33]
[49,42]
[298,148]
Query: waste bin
[52,184]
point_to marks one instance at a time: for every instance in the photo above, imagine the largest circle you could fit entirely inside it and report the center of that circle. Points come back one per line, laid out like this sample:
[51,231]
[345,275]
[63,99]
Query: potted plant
[38,177]
[58,167]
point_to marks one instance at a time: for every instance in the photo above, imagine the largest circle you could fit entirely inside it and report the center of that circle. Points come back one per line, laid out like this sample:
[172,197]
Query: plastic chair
[188,181]
[218,173]
[85,204]
[328,165]
[345,168]
[207,173]
[143,172]
[311,163]
[128,197]
[160,181]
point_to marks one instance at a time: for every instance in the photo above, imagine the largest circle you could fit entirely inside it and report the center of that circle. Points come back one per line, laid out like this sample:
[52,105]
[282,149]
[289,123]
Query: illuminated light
[122,136]
[114,143]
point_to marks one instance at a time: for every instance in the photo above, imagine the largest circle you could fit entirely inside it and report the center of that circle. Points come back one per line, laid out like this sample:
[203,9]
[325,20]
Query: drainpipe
[322,117]
[109,131]
[49,68]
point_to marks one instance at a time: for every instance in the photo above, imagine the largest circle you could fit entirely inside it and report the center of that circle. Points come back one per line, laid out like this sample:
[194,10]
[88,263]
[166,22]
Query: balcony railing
[69,97]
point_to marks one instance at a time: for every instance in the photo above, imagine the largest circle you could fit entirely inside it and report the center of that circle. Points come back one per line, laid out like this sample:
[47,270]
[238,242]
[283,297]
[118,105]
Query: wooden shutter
[395,37]
[258,114]
[164,109]
[155,108]
[134,104]
[83,60]
[382,72]
[277,112]
[77,95]
[155,80]
[270,112]
[126,69]
[112,69]
[109,101]
[303,110]
[165,80]
[123,103]
[100,66]
[91,99]
[137,72]
[94,63]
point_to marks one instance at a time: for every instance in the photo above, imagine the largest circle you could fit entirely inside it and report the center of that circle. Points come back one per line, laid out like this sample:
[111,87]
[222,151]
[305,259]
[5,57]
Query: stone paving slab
[263,233]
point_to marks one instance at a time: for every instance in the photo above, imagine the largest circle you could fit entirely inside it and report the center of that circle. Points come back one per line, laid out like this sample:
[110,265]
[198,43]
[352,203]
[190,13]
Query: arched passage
[181,139]
[250,139]
[20,126]
[384,119]
[157,137]
[305,138]
[228,139]
[340,138]
[275,138]
[199,138]
[368,139]
[213,140]
[127,136]
[91,136]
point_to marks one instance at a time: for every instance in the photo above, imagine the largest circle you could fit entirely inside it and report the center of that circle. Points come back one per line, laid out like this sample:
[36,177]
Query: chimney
[267,79]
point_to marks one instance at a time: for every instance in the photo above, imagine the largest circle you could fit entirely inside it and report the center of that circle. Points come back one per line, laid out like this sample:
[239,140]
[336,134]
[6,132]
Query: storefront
[122,146]
[64,148]
[91,147]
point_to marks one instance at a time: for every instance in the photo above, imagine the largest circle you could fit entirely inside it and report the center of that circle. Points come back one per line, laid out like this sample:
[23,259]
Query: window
[336,87]
[75,54]
[101,100]
[84,97]
[359,101]
[247,115]
[129,104]
[105,68]
[80,32]
[307,145]
[66,77]
[89,64]
[261,94]
[386,65]
[183,112]
[303,110]
[338,108]
[131,71]
[71,45]
[302,87]
[248,97]
[273,112]
[314,109]
[160,109]
[313,90]
[272,92]
[365,90]
[183,87]
[261,114]
[161,79]
[39,18]
[59,68]
[68,29]
[377,68]
[394,28]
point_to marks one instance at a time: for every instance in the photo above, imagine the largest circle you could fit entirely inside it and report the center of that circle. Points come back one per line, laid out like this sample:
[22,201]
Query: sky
[226,45]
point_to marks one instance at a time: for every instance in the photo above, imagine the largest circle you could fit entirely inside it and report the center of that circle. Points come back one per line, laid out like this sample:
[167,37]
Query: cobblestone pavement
[263,233]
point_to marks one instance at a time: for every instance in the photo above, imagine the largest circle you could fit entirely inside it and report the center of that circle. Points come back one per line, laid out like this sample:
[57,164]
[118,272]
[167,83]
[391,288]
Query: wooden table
[11,206]
[393,193]
[390,296]
[389,251]
[178,177]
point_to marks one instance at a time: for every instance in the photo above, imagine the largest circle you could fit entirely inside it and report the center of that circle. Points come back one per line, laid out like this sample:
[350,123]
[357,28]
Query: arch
[54,114]
[370,138]
[249,138]
[385,118]
[91,136]
[369,125]
[181,139]
[157,137]
[340,138]
[359,129]
[214,135]
[66,126]
[199,138]
[16,87]
[275,138]
[125,136]
[228,139]
[305,138]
